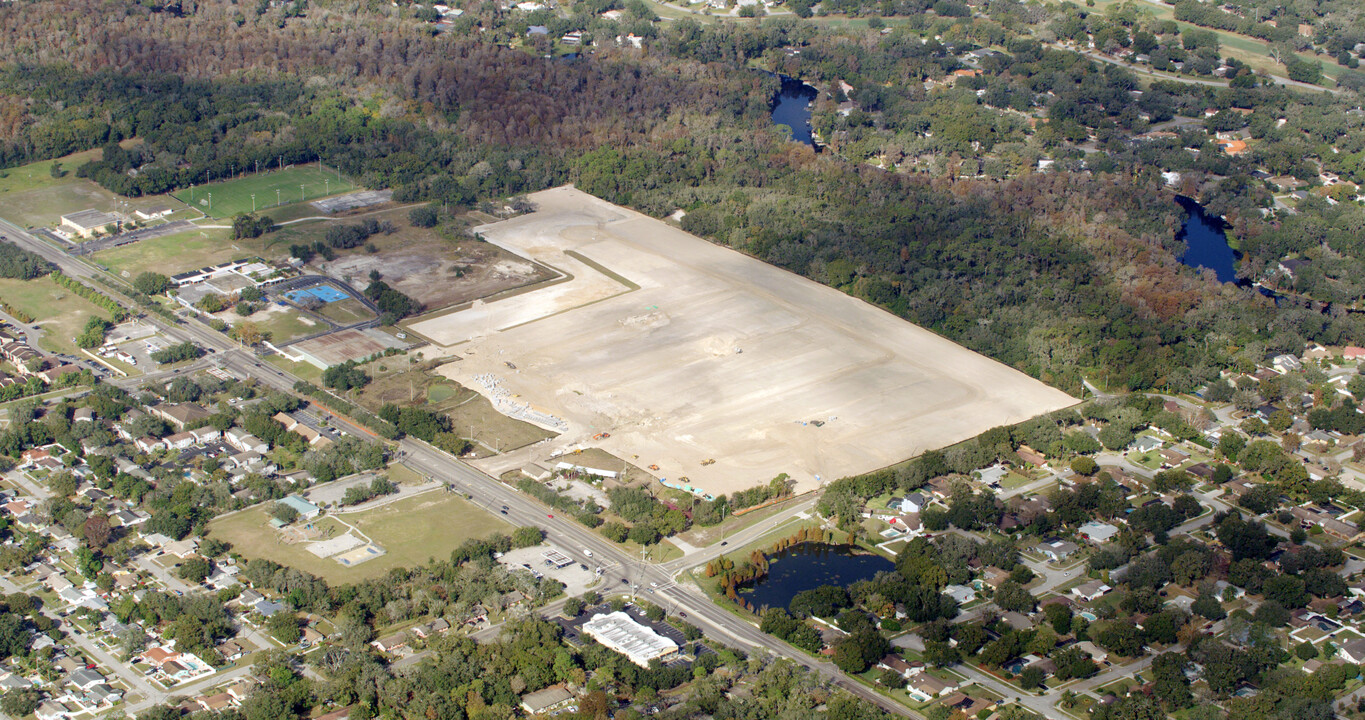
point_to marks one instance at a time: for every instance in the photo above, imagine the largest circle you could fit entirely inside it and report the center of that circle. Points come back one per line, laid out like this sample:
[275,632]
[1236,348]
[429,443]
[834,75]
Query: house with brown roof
[214,703]
[392,642]
[1031,456]
[158,656]
[925,687]
[179,414]
[897,664]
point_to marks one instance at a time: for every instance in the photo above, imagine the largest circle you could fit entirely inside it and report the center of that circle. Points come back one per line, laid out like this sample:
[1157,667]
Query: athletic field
[295,184]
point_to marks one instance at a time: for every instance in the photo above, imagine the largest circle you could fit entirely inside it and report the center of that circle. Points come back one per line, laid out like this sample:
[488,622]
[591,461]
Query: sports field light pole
[277,197]
[302,197]
[253,202]
[210,201]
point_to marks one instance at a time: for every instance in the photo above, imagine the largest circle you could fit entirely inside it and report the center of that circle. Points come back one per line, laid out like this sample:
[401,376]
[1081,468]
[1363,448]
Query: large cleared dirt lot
[687,352]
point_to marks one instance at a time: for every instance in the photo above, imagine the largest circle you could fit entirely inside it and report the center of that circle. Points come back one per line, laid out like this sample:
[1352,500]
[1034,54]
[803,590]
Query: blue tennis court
[325,293]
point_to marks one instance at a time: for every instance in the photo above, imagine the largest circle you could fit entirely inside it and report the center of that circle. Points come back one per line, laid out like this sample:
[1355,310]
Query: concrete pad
[718,356]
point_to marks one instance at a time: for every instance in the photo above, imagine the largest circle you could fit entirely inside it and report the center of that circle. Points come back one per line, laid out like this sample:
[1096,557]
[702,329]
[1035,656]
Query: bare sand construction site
[687,353]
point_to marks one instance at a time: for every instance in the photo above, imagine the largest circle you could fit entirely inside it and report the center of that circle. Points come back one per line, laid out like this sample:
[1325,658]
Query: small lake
[1206,242]
[791,107]
[809,565]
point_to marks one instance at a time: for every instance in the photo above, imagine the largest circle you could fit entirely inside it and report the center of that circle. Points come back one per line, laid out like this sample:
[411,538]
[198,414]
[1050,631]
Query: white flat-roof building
[88,222]
[621,633]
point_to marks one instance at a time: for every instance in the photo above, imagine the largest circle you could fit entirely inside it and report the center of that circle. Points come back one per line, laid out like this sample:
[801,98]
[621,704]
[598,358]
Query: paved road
[655,582]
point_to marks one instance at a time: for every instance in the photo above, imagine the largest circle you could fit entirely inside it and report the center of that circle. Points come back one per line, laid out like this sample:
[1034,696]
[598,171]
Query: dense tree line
[20,264]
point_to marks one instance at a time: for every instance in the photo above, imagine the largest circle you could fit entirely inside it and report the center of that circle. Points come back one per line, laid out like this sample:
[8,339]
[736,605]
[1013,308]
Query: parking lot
[578,576]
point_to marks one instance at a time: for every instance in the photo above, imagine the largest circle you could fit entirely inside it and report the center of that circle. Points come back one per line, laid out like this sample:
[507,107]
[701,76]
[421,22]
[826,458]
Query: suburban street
[489,491]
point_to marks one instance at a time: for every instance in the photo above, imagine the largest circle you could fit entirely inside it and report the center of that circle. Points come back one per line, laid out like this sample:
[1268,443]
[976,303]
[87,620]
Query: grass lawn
[411,531]
[38,175]
[300,370]
[58,312]
[345,312]
[295,184]
[30,196]
[180,252]
[468,410]
[401,474]
[285,325]
[1150,460]
[1014,480]
[703,536]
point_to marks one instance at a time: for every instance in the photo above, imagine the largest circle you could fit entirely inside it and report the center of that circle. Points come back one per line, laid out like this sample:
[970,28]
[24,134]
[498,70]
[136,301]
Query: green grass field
[411,530]
[345,312]
[300,370]
[59,313]
[177,253]
[285,325]
[295,184]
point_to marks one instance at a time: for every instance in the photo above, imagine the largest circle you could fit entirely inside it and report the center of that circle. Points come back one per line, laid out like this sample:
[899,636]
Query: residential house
[1353,651]
[241,689]
[993,474]
[267,608]
[437,626]
[391,643]
[158,656]
[82,414]
[230,650]
[1337,528]
[214,703]
[1174,456]
[1057,550]
[961,593]
[1016,620]
[1090,590]
[912,503]
[897,664]
[1098,532]
[85,678]
[148,444]
[1146,444]
[1286,363]
[51,710]
[925,687]
[1031,456]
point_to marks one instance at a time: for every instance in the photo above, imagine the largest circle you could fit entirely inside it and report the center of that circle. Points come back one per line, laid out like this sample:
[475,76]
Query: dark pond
[809,565]
[1205,241]
[791,107]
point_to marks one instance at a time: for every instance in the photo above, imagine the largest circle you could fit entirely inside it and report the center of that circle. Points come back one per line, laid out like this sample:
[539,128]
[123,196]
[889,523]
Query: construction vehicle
[601,436]
[654,467]
[510,365]
[708,461]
